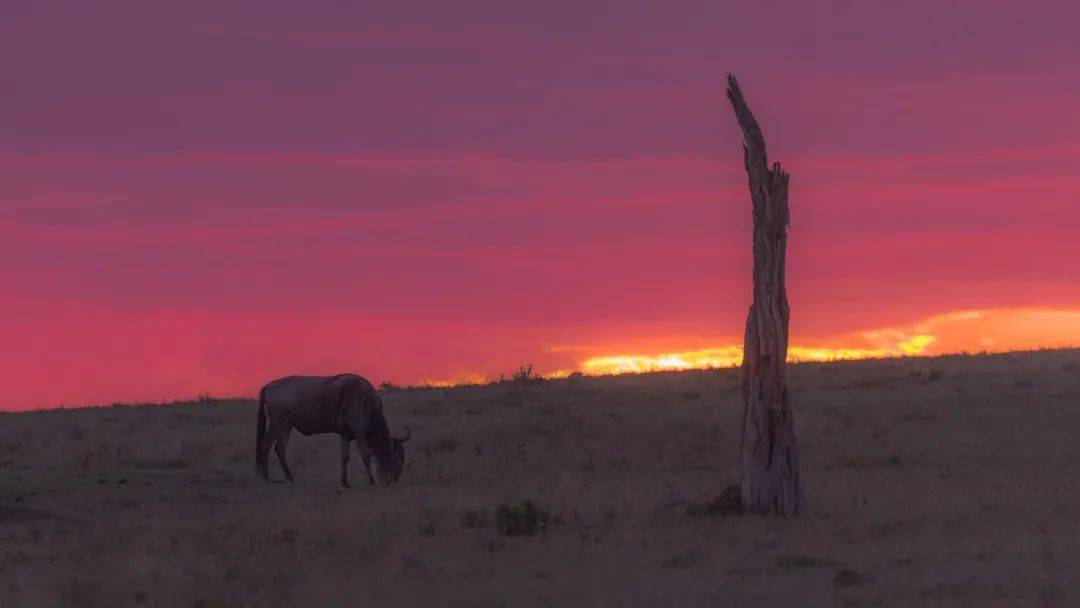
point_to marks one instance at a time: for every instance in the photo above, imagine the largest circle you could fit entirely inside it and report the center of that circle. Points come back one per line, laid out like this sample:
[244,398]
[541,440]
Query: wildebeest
[345,404]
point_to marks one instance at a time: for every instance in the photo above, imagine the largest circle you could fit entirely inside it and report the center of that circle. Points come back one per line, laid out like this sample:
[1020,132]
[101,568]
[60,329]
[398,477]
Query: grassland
[948,481]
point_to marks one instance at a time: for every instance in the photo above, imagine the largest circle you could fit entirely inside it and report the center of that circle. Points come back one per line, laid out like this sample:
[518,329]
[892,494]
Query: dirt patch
[851,578]
[22,514]
[687,559]
[793,562]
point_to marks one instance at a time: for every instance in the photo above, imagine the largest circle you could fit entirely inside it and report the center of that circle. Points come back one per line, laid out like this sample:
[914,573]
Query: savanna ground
[948,481]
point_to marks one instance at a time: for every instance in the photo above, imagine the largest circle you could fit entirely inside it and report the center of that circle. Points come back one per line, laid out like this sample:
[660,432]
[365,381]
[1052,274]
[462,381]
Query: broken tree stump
[770,454]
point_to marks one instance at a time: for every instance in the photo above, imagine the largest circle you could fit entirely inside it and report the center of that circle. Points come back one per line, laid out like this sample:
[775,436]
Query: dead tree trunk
[770,455]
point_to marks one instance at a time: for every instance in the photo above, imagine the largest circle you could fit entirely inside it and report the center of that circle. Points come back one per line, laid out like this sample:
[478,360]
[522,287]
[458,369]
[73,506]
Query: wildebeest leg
[279,447]
[358,426]
[345,461]
[365,455]
[367,469]
[264,455]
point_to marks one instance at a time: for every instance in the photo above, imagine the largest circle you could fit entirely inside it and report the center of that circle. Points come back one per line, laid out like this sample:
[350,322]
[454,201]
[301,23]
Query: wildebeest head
[387,466]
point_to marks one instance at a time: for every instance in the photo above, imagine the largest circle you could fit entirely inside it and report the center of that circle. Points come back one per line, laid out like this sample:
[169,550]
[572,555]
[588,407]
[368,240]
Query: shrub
[525,375]
[521,520]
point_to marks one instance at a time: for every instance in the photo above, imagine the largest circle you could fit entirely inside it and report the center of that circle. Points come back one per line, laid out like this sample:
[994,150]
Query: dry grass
[946,481]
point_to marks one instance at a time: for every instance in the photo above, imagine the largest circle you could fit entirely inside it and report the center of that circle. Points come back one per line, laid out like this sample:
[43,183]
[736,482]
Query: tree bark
[770,454]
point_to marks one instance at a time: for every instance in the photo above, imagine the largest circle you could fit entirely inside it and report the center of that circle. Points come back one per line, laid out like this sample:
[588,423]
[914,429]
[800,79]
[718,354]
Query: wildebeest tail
[260,424]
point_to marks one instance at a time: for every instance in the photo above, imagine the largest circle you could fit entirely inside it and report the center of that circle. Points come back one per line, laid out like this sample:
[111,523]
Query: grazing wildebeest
[345,404]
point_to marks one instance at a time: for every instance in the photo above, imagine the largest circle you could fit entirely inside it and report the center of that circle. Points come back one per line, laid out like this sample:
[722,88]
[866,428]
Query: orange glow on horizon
[968,331]
[463,379]
[731,356]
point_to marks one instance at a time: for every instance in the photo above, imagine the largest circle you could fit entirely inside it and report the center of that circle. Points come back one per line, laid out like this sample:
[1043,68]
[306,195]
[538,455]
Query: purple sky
[203,195]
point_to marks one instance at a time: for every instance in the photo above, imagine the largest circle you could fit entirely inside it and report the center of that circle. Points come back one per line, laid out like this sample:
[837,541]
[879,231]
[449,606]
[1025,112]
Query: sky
[199,197]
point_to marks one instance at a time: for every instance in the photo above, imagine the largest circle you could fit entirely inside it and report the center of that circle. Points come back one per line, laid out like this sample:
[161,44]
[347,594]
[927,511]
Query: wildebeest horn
[408,434]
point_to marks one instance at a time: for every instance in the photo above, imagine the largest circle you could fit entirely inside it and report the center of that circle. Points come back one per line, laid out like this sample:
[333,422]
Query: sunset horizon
[967,332]
[352,189]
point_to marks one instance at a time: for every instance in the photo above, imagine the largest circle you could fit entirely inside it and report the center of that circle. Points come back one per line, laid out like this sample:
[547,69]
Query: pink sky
[201,197]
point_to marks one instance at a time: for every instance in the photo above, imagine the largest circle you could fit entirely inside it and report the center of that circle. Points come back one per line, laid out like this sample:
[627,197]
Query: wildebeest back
[316,404]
